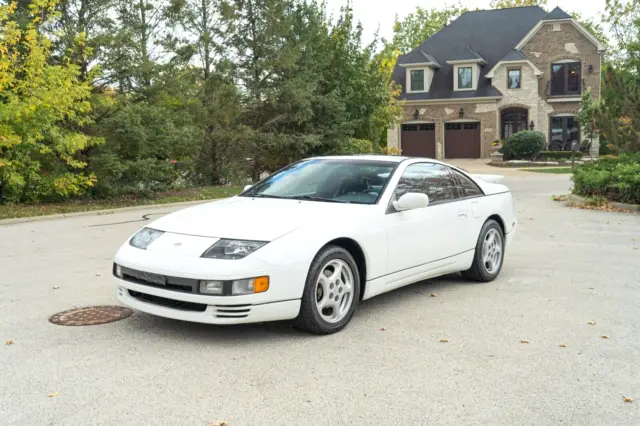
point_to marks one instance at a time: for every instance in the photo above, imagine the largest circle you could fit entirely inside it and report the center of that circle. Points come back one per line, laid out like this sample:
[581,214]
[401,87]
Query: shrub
[356,146]
[555,155]
[390,150]
[507,152]
[527,144]
[614,178]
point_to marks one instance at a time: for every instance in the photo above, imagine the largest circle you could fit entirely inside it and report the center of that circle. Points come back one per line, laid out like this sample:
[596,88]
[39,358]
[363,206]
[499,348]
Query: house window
[417,80]
[465,78]
[513,78]
[565,78]
[565,133]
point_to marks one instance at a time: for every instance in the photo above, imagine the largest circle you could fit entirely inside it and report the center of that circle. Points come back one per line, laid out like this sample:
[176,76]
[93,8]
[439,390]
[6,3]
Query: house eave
[536,70]
[467,61]
[601,47]
[420,64]
[482,99]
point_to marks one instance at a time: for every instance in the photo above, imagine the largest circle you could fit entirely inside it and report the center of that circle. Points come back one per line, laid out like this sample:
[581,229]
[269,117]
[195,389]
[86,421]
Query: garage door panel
[462,140]
[418,140]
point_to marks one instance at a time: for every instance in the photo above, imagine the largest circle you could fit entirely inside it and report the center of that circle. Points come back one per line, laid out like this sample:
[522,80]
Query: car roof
[376,157]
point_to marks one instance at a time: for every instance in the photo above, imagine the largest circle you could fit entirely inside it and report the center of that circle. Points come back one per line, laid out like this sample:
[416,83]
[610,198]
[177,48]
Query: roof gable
[557,13]
[489,34]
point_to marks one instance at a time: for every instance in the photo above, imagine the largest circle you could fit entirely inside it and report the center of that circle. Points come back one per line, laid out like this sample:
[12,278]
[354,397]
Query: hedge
[557,155]
[524,145]
[613,178]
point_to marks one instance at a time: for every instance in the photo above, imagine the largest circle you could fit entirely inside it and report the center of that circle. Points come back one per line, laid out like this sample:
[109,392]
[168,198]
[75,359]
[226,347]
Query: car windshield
[327,180]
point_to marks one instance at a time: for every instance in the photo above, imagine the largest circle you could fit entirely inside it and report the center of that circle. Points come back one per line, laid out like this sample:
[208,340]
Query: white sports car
[313,240]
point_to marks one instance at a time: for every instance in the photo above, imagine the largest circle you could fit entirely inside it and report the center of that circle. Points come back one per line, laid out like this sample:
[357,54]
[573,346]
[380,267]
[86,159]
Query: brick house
[490,74]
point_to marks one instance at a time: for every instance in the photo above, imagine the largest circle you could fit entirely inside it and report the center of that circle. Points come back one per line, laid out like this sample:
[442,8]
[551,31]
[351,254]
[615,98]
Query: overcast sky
[380,13]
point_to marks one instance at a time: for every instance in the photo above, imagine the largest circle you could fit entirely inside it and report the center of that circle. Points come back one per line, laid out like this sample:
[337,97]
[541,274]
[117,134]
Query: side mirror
[410,201]
[246,187]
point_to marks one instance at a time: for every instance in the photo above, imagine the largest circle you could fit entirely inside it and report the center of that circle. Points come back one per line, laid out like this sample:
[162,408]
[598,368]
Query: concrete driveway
[568,267]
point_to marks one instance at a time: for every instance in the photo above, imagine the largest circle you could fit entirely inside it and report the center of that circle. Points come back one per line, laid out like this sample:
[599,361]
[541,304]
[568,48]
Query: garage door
[462,140]
[418,140]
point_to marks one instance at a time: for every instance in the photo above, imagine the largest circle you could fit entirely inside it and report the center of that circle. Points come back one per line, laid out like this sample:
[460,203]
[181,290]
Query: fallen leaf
[444,340]
[524,341]
[604,337]
[9,342]
[97,275]
[434,295]
[53,394]
[55,287]
[222,423]
[563,345]
[591,323]
[530,218]
[382,329]
[628,399]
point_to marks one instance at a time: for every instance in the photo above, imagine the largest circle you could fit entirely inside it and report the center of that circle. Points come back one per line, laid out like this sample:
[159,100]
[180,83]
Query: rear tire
[331,292]
[489,254]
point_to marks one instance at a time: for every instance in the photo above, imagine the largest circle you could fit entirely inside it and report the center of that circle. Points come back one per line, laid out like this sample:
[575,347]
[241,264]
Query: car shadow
[367,314]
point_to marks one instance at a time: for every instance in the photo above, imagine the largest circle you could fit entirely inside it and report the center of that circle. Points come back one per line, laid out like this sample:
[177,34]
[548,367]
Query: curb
[576,199]
[103,212]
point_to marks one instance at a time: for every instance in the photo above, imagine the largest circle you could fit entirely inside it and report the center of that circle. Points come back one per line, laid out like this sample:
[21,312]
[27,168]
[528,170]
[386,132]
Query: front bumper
[202,309]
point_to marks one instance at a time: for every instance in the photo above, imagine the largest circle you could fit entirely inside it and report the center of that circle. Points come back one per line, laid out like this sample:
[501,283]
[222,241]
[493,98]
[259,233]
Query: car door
[422,236]
[471,203]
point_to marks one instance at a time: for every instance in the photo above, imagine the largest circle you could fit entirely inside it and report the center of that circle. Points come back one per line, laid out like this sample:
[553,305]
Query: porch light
[416,114]
[461,113]
[531,125]
[590,69]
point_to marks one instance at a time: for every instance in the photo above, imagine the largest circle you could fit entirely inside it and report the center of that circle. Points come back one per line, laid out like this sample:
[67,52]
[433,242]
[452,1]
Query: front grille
[232,311]
[184,285]
[168,303]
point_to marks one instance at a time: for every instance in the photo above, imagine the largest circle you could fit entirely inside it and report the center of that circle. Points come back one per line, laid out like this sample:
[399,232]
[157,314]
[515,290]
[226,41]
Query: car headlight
[145,237]
[232,249]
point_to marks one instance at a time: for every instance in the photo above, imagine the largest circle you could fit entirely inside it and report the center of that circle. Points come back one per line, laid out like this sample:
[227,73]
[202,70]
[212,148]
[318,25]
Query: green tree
[504,4]
[623,18]
[41,106]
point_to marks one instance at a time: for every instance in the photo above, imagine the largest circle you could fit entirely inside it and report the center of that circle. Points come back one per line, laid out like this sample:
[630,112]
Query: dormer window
[465,78]
[417,81]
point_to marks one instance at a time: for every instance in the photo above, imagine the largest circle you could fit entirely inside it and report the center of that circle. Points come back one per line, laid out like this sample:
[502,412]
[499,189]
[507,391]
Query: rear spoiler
[488,178]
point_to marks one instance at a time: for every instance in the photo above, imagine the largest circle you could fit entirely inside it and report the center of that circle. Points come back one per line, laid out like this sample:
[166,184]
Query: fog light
[118,271]
[250,286]
[211,287]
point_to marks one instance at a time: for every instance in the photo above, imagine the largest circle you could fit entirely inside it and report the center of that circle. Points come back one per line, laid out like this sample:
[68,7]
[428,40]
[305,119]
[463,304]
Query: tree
[44,107]
[623,18]
[420,25]
[504,4]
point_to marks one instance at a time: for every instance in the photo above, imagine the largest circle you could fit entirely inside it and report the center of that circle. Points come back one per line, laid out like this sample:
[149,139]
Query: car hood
[262,219]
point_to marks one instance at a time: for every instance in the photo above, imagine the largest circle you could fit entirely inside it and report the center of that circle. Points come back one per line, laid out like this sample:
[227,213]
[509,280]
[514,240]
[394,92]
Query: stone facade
[552,42]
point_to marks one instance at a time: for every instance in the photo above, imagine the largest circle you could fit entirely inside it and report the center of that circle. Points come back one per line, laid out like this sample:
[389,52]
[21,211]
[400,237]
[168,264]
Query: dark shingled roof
[417,56]
[467,54]
[492,34]
[514,55]
[557,13]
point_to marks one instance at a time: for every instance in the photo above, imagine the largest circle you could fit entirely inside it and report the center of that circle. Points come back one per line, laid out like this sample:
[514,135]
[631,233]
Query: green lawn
[191,194]
[552,170]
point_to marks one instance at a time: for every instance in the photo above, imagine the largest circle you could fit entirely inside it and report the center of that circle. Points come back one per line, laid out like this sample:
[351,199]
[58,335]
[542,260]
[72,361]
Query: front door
[565,133]
[422,236]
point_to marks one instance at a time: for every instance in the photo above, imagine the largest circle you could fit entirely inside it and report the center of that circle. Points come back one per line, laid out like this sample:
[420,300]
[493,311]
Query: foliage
[390,150]
[503,4]
[420,25]
[526,144]
[356,146]
[554,155]
[44,108]
[616,179]
[616,115]
[623,19]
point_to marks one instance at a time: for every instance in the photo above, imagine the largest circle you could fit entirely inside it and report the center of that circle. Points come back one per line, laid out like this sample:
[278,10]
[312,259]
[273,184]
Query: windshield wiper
[316,198]
[262,196]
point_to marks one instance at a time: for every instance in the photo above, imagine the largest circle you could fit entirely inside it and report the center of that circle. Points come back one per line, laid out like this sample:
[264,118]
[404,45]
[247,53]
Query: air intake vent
[232,311]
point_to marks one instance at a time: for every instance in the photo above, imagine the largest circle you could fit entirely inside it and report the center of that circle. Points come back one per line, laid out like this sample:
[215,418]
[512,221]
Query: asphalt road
[567,268]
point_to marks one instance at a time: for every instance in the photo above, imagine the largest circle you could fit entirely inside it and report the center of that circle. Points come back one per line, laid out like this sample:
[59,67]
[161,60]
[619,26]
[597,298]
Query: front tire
[489,254]
[331,292]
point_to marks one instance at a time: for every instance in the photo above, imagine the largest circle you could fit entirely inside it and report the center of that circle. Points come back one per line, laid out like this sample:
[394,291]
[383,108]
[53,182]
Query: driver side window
[431,179]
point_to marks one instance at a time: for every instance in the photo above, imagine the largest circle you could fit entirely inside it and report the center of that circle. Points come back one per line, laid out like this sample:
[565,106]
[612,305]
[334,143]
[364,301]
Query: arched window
[513,121]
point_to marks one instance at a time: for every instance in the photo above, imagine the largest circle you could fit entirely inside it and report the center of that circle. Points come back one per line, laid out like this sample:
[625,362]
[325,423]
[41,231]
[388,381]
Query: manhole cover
[91,315]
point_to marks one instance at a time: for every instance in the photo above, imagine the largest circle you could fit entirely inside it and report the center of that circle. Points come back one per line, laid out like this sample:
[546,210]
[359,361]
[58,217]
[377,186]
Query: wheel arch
[358,254]
[500,221]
